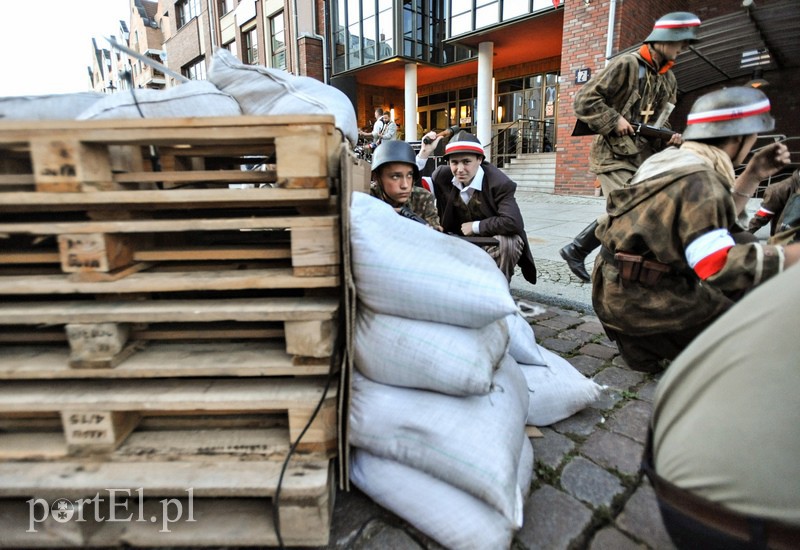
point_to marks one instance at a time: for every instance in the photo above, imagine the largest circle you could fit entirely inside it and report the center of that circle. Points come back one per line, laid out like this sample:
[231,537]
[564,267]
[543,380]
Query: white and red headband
[676,23]
[731,113]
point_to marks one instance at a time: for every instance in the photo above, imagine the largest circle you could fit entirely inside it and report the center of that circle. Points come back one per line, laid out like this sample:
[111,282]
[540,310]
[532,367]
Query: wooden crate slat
[216,523]
[163,395]
[160,311]
[176,225]
[164,360]
[275,196]
[172,281]
[221,478]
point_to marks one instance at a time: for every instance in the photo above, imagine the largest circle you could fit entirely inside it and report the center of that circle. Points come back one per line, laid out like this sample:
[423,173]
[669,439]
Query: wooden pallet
[300,152]
[100,334]
[97,416]
[213,503]
[102,251]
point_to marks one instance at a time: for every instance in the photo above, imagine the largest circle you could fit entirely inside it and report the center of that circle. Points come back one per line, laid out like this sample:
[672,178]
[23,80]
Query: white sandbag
[196,98]
[431,356]
[404,268]
[522,344]
[453,518]
[558,390]
[263,91]
[472,443]
[47,107]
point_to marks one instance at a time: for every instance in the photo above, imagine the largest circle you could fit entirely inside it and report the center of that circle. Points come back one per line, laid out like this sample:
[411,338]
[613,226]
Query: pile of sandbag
[439,399]
[233,88]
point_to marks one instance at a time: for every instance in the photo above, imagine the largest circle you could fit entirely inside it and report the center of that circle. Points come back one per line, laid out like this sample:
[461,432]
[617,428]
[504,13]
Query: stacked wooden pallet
[170,296]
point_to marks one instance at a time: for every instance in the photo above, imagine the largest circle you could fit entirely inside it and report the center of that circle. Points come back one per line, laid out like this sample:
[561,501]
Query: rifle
[406,212]
[582,129]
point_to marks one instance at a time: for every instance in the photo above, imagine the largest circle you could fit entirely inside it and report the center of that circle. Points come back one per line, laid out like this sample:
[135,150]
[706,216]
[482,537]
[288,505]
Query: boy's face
[397,180]
[464,166]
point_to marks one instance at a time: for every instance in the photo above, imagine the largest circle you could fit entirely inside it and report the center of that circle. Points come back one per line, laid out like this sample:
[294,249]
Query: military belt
[635,268]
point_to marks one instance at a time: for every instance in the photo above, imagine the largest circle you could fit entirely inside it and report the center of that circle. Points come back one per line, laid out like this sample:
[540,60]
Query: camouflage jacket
[658,218]
[626,87]
[421,202]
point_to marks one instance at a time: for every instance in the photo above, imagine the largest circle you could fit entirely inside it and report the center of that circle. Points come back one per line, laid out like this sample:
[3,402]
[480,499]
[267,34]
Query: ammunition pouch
[636,269]
[624,146]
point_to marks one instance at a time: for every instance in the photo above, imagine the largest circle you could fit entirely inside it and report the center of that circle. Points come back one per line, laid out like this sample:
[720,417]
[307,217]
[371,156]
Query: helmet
[464,142]
[675,27]
[394,151]
[736,111]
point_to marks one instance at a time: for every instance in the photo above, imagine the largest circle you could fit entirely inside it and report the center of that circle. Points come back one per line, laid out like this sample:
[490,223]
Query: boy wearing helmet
[634,87]
[669,265]
[394,174]
[475,198]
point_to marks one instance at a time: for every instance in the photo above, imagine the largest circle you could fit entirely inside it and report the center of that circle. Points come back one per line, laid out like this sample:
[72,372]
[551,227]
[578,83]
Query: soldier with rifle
[627,105]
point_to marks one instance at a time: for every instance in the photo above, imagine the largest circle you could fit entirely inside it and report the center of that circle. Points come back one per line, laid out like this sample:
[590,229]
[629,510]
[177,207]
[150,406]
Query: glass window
[225,6]
[250,46]
[195,70]
[487,15]
[185,11]
[277,41]
[386,33]
[514,9]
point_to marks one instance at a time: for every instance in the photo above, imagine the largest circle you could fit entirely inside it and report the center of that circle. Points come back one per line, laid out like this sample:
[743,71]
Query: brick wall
[584,46]
[311,58]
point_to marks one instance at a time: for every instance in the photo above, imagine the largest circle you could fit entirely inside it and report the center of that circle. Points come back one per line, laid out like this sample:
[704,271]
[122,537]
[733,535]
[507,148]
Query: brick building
[507,70]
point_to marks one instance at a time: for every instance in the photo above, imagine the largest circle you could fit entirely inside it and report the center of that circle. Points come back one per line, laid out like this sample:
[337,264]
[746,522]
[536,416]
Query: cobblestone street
[587,491]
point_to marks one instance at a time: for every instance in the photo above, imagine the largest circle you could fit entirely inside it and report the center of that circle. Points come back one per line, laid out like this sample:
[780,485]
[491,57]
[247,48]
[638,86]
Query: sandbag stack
[438,408]
[440,399]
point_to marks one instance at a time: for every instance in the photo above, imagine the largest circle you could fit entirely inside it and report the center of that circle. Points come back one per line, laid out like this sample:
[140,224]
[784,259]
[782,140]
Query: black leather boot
[575,252]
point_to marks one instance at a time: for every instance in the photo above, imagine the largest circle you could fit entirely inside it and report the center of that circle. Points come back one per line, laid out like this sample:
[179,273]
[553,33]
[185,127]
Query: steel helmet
[675,27]
[394,151]
[736,111]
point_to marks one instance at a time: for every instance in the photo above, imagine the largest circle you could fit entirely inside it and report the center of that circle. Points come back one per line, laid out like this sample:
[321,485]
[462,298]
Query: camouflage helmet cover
[394,151]
[675,27]
[735,111]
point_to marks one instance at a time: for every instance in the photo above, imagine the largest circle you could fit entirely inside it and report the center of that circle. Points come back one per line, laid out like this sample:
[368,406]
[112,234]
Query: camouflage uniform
[658,218]
[421,202]
[626,87]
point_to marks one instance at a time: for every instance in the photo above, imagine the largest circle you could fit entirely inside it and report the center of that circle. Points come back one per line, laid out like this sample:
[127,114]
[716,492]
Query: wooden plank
[271,394]
[300,308]
[163,360]
[97,431]
[176,225]
[173,281]
[191,176]
[8,180]
[211,478]
[213,197]
[62,163]
[29,257]
[219,523]
[315,246]
[94,252]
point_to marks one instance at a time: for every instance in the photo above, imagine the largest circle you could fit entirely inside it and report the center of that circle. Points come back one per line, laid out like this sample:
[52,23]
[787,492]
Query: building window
[186,10]
[250,46]
[225,6]
[195,70]
[231,47]
[277,41]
